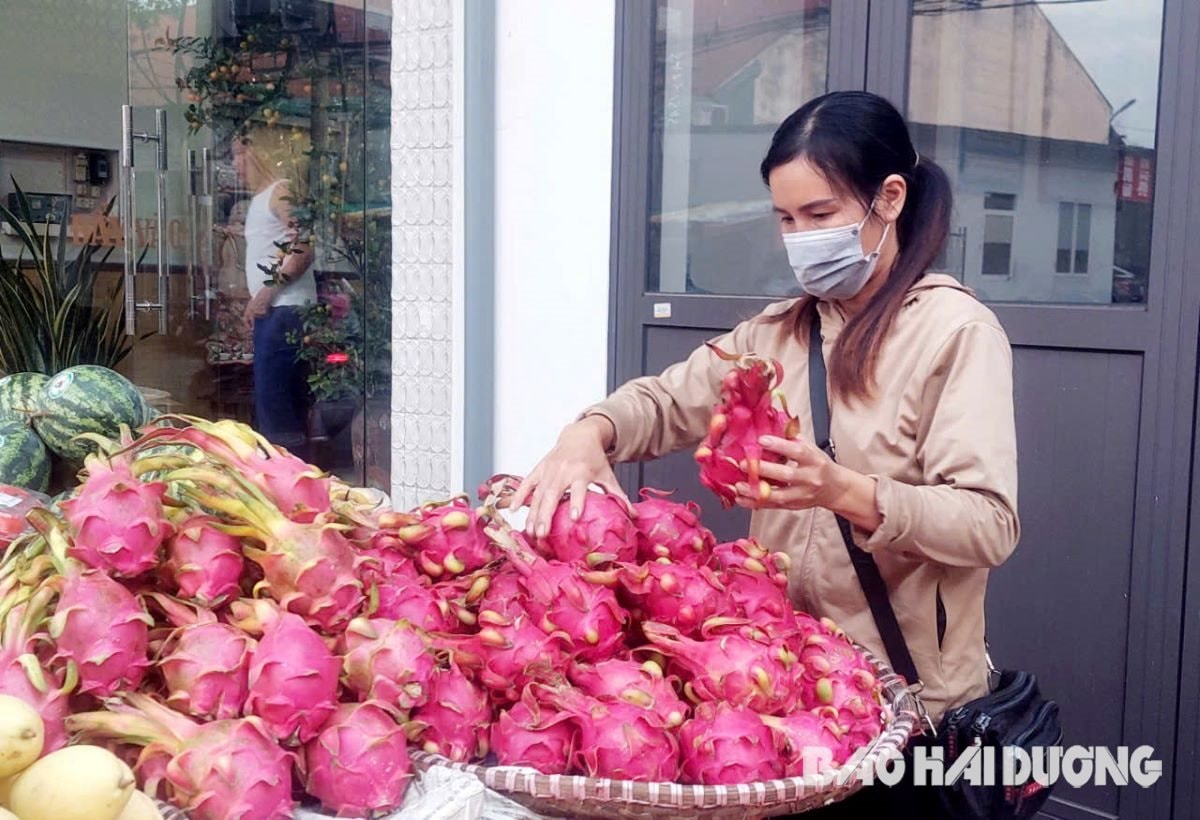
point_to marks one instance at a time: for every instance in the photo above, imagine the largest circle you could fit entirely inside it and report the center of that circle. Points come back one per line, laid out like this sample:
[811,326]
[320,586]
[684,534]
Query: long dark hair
[856,140]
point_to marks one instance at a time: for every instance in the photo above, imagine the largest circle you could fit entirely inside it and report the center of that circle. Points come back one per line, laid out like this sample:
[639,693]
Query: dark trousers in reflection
[280,389]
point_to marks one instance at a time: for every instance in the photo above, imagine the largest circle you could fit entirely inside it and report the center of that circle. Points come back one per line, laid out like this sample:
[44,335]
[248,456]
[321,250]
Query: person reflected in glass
[279,276]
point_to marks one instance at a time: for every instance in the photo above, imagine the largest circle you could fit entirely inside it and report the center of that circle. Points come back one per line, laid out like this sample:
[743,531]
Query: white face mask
[829,263]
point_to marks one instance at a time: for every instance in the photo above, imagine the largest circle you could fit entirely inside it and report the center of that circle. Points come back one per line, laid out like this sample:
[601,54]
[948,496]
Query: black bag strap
[864,565]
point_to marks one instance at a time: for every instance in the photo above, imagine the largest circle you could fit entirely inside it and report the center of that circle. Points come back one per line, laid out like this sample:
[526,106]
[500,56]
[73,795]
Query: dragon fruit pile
[252,635]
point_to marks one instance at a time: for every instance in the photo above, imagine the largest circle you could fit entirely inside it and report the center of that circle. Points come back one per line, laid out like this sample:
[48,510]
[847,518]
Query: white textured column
[426,335]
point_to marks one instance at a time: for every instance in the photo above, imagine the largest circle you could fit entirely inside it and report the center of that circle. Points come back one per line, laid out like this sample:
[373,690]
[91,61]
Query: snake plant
[51,315]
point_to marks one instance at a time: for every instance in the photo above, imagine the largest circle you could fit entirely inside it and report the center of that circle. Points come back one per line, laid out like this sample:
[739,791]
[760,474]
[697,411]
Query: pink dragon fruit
[862,719]
[676,594]
[293,680]
[839,681]
[604,533]
[358,764]
[667,529]
[299,490]
[732,668]
[102,628]
[310,571]
[118,519]
[450,539]
[536,735]
[642,685]
[23,676]
[619,740]
[760,600]
[455,718]
[564,597]
[205,563]
[825,653]
[809,742]
[206,667]
[224,770]
[416,604]
[399,592]
[852,695]
[727,745]
[461,596]
[747,553]
[506,593]
[730,454]
[515,651]
[309,568]
[388,661]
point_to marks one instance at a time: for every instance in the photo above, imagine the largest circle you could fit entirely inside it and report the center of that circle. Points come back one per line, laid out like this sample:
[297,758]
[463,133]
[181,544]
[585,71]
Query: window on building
[1074,237]
[998,211]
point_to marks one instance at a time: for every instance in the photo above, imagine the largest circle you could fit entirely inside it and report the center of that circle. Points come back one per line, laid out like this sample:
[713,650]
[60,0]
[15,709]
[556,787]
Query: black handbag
[1012,714]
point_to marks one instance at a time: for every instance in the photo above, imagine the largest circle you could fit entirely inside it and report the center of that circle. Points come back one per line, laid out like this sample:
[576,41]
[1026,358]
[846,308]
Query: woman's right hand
[577,460]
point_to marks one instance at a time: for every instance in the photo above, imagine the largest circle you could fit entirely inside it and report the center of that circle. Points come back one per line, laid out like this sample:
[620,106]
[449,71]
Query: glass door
[255,182]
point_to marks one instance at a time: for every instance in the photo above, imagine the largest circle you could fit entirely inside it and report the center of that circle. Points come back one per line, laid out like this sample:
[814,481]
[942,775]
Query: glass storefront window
[727,72]
[275,116]
[1044,116]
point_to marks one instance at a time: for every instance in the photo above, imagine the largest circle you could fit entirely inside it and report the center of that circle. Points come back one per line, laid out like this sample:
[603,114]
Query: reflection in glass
[1044,115]
[292,104]
[727,72]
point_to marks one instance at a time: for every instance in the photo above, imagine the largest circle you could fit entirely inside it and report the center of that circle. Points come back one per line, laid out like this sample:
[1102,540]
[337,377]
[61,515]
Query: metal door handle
[206,191]
[127,212]
[128,135]
[193,225]
[160,127]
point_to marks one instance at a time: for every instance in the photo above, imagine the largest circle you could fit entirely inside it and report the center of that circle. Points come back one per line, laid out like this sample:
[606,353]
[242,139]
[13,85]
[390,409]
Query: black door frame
[869,44]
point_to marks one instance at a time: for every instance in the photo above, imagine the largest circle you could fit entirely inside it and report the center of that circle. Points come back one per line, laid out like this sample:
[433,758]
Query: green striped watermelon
[86,398]
[24,461]
[18,394]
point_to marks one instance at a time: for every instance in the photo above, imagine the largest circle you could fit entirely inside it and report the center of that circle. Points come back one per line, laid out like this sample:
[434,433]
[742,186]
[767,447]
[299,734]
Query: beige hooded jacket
[939,438]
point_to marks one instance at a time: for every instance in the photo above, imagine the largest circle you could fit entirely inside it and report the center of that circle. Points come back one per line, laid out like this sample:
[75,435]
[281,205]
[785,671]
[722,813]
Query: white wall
[554,117]
[426,250]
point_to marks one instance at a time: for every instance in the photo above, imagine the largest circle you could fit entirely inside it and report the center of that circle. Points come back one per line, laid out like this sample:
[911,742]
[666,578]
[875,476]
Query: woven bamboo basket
[574,796]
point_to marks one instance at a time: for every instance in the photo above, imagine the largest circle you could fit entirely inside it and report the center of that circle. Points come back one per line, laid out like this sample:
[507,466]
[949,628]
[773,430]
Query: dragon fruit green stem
[52,528]
[238,508]
[238,531]
[132,728]
[181,613]
[242,445]
[159,464]
[232,482]
[37,677]
[35,611]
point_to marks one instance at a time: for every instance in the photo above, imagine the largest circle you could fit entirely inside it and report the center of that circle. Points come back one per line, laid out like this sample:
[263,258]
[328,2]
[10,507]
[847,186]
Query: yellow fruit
[139,807]
[22,734]
[75,783]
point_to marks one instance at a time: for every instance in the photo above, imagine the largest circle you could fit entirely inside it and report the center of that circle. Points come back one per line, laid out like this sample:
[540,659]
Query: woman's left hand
[808,478]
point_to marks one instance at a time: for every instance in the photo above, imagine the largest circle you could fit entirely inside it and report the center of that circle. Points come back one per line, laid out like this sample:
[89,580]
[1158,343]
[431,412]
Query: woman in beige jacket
[920,391]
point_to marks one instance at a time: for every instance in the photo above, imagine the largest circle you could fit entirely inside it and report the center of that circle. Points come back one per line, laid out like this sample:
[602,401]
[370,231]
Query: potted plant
[50,316]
